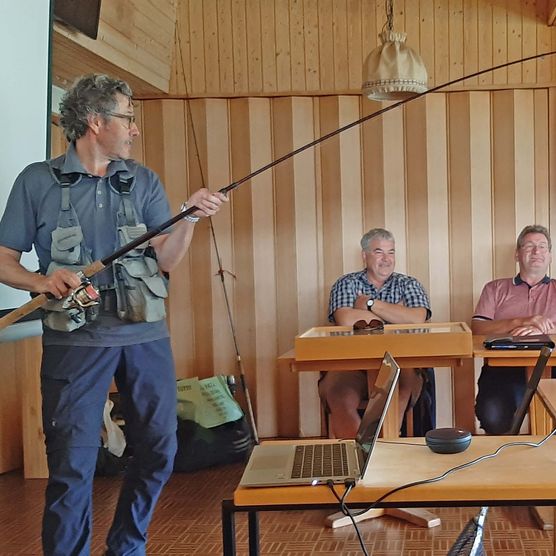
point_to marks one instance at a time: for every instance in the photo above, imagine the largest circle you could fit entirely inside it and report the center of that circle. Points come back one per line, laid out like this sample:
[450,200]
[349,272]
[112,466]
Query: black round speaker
[448,440]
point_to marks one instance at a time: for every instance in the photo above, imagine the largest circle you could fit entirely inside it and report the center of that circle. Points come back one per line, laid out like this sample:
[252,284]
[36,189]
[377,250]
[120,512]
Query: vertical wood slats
[251,48]
[454,176]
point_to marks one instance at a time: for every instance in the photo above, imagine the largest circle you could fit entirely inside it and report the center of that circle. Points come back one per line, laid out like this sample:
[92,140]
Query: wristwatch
[370,303]
[189,217]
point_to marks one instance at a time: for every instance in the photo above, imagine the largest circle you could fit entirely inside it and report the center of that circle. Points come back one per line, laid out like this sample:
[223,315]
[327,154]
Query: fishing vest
[138,286]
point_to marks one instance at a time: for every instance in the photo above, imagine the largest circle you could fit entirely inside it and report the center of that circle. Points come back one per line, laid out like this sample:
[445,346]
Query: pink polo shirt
[509,298]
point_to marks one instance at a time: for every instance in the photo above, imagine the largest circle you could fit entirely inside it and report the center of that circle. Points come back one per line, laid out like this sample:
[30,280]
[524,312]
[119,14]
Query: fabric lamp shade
[393,71]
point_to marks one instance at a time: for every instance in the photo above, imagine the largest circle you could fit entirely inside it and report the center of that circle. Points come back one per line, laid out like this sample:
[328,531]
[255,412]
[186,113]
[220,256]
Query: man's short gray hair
[90,94]
[533,229]
[375,233]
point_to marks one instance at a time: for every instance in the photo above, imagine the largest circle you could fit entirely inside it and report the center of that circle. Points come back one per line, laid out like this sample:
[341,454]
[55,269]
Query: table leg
[228,528]
[253,534]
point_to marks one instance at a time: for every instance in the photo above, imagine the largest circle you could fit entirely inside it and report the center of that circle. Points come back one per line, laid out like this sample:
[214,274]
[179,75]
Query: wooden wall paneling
[287,257]
[225,47]
[441,39]
[283,47]
[542,157]
[180,80]
[486,42]
[297,46]
[438,271]
[543,44]
[312,300]
[318,47]
[355,53]
[426,38]
[524,121]
[456,45]
[28,356]
[242,219]
[165,152]
[216,170]
[470,41]
[268,47]
[329,163]
[211,58]
[552,159]
[482,244]
[499,41]
[504,181]
[311,44]
[461,298]
[395,209]
[373,167]
[529,41]
[369,31]
[416,147]
[11,445]
[197,47]
[201,270]
[286,245]
[351,208]
[480,174]
[326,44]
[515,39]
[239,33]
[254,46]
[340,41]
[263,295]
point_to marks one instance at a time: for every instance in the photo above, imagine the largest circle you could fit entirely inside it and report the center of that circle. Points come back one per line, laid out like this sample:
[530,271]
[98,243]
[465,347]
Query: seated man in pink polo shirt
[519,306]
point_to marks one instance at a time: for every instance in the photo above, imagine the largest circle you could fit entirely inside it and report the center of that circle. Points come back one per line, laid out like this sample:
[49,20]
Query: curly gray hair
[90,94]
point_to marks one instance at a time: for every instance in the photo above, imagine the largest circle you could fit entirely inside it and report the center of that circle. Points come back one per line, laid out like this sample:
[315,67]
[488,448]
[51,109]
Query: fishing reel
[84,296]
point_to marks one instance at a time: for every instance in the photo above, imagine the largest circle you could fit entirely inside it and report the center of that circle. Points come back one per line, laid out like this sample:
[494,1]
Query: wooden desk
[517,476]
[507,357]
[337,348]
[516,358]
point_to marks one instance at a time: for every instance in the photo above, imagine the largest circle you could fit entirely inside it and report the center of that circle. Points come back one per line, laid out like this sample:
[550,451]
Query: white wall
[24,40]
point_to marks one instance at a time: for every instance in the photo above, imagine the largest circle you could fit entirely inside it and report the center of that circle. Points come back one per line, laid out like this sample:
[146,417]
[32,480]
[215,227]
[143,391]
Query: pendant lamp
[393,71]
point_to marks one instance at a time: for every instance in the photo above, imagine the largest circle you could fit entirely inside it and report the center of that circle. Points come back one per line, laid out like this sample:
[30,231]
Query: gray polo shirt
[32,214]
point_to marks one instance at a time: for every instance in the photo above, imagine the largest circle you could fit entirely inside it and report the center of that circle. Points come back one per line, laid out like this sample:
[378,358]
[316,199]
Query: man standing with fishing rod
[74,210]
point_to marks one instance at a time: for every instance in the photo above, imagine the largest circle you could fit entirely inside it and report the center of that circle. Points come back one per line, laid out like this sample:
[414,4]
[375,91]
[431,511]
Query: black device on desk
[535,341]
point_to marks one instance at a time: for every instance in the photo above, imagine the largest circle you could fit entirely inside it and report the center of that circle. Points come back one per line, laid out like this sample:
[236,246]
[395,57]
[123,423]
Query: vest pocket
[140,290]
[66,245]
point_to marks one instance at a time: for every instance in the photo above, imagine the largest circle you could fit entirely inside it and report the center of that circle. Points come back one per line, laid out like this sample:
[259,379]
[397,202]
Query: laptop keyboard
[320,460]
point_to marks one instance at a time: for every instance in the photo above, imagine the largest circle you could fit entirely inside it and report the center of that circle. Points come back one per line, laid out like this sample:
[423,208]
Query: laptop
[530,389]
[535,341]
[316,462]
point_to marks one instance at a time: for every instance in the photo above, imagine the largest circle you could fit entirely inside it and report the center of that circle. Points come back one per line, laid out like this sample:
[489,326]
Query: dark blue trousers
[74,383]
[501,389]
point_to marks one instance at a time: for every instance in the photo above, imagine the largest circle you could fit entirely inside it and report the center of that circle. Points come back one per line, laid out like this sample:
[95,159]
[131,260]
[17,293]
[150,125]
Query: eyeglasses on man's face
[129,117]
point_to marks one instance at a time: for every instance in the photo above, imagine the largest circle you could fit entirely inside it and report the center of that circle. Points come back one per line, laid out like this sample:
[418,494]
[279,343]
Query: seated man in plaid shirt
[379,293]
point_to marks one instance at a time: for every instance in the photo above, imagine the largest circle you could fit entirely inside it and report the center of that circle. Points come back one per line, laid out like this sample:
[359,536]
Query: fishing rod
[97,266]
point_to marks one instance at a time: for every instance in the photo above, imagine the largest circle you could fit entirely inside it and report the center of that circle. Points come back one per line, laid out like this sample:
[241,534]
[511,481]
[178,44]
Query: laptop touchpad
[261,463]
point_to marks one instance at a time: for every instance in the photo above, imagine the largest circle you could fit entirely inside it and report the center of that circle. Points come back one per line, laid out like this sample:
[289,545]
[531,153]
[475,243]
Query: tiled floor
[187,521]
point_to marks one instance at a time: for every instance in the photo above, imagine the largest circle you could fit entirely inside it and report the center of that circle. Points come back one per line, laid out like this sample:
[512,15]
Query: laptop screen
[379,400]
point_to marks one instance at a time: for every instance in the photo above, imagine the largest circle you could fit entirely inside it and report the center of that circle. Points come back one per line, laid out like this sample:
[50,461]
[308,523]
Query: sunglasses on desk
[373,326]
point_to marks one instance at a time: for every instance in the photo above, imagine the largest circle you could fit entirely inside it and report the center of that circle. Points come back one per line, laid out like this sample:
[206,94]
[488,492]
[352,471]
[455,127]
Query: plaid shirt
[398,287]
